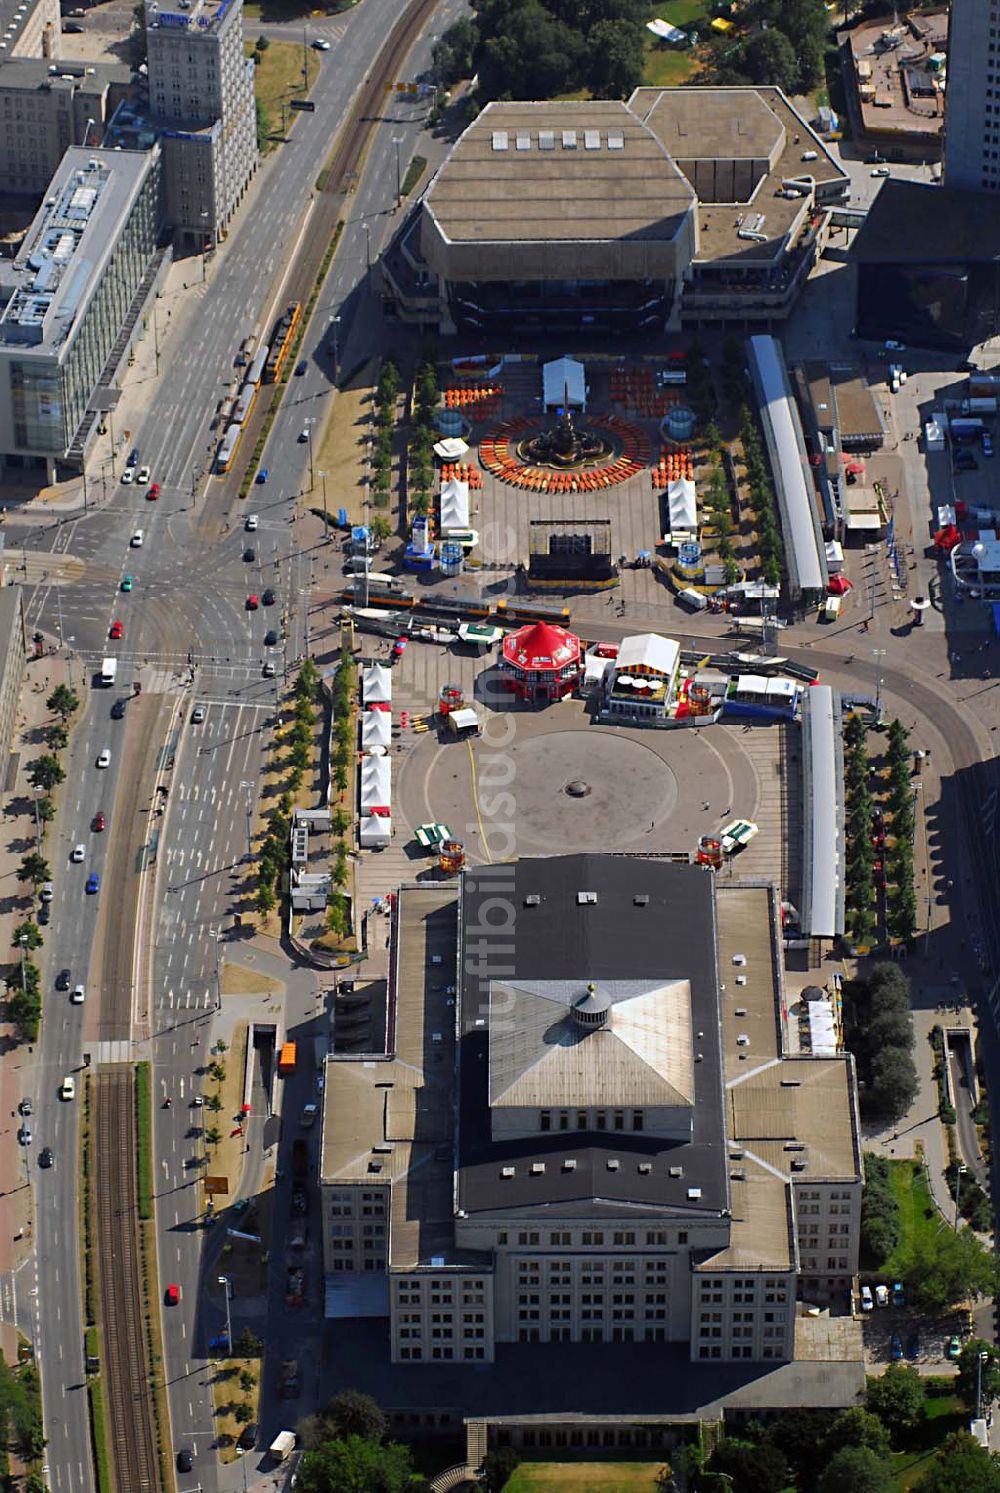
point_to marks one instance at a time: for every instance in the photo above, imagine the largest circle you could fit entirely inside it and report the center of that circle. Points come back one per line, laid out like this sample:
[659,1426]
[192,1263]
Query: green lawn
[278,78]
[669,67]
[593,1477]
[917,1214]
[678,12]
[944,1414]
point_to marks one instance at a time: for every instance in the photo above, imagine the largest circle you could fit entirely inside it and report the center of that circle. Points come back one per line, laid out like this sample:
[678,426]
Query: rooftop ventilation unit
[694,1193]
[538,1168]
[590,1010]
[532,900]
[522,142]
[591,139]
[569,1165]
[616,140]
[794,1145]
[506,1172]
[645,1167]
[800,1165]
[613,1163]
[569,139]
[677,1171]
[586,899]
[741,1010]
[546,140]
[499,140]
[641,899]
[791,1083]
[738,1176]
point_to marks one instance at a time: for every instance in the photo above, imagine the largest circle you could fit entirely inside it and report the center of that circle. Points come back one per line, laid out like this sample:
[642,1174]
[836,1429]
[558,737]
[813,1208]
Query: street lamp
[326,530]
[960,1170]
[216,936]
[225,1282]
[309,442]
[335,327]
[878,654]
[248,787]
[980,1360]
[397,141]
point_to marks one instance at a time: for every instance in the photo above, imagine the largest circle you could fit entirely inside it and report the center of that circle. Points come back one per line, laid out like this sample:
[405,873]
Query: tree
[355,1465]
[34,868]
[894,1083]
[961,1466]
[63,701]
[45,773]
[28,936]
[498,1468]
[616,58]
[242,1412]
[46,810]
[247,1380]
[769,57]
[55,736]
[856,1428]
[353,1413]
[380,528]
[213,1135]
[948,1266]
[969,1373]
[856,1469]
[897,1398]
[753,1467]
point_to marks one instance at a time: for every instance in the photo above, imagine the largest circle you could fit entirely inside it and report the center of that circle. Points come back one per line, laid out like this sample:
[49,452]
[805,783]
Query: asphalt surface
[188,634]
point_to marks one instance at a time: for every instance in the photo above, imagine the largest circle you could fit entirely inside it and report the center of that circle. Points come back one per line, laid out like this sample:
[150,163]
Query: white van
[692,599]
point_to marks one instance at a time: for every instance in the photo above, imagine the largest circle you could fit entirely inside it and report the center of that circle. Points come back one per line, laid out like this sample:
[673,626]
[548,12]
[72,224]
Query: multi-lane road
[188,637]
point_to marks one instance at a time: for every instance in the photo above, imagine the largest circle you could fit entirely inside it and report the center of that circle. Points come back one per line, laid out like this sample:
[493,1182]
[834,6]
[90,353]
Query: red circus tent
[542,661]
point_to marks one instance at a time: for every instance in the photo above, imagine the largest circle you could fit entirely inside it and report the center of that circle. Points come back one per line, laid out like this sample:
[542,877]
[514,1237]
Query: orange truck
[287,1057]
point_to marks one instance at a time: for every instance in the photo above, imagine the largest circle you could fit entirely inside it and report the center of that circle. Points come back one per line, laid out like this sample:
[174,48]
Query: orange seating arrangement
[672,465]
[635,389]
[495,453]
[479,401]
[461,471]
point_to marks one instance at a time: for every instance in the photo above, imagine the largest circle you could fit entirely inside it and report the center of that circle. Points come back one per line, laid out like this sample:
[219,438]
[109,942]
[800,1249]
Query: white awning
[648,650]
[682,504]
[454,505]
[376,783]
[376,685]
[823,814]
[666,32]
[564,383]
[375,829]
[452,448]
[376,729]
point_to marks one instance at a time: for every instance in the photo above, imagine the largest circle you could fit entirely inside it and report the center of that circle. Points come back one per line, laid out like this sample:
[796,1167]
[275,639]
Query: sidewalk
[17,1070]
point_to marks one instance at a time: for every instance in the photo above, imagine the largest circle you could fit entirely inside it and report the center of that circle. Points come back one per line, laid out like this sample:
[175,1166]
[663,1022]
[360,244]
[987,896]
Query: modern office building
[12,661]
[201,98]
[45,107]
[628,1154]
[683,207]
[972,101]
[72,300]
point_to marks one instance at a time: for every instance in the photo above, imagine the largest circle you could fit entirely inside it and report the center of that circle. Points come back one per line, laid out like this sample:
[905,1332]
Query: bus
[282,342]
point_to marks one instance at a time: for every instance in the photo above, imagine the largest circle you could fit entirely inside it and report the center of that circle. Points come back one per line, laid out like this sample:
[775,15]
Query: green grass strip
[144,1140]
[414,172]
[99,1437]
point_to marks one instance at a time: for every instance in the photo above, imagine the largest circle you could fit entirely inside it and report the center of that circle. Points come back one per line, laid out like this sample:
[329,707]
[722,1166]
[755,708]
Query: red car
[100,822]
[172,1295]
[253,602]
[117,630]
[152,492]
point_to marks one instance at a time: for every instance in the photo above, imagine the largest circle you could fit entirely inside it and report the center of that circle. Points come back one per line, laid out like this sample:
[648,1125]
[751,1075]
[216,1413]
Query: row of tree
[878,1025]
[274,857]
[850,1451]
[899,861]
[423,434]
[385,421]
[23,979]
[536,49]
[338,912]
[760,495]
[880,1221]
[718,503]
[859,891]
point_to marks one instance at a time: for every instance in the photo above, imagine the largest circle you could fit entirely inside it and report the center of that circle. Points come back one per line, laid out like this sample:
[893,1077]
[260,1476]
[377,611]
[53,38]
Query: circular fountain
[565,446]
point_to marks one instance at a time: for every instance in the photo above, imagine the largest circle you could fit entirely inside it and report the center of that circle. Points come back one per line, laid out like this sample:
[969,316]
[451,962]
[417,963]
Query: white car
[882,1295]
[892,346]
[67,1089]
[104,760]
[128,477]
[136,540]
[77,997]
[142,476]
[252,523]
[867,1301]
[320,45]
[881,171]
[77,853]
[269,671]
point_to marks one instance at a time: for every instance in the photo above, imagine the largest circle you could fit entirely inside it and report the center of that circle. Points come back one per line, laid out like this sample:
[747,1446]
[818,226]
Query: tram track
[128,1402]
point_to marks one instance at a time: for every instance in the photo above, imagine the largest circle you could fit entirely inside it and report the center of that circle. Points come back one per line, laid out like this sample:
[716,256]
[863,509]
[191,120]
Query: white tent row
[376,729]
[564,382]
[375,829]
[454,505]
[376,685]
[665,32]
[376,783]
[683,506]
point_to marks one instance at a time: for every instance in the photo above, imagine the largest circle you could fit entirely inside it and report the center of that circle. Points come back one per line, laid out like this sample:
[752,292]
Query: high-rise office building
[201,95]
[972,103]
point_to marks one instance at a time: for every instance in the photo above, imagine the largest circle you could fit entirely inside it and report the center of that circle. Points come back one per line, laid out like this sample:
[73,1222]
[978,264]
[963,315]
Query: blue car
[133,457]
[987,442]
[219,1343]
[93,883]
[913,1346]
[896,1348]
[898,1294]
[300,368]
[262,476]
